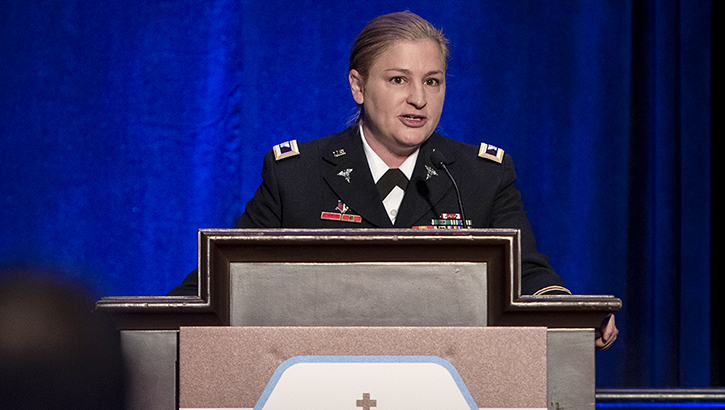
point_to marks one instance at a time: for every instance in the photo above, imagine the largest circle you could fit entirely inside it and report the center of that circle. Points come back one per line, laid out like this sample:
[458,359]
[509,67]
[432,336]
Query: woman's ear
[357,86]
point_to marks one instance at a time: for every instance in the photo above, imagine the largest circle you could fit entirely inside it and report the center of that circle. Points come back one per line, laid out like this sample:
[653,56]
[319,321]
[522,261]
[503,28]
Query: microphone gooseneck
[439,161]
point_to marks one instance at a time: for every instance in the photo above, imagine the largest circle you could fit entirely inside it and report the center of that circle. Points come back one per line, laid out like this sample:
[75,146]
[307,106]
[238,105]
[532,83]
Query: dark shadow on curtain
[667,312]
[717,283]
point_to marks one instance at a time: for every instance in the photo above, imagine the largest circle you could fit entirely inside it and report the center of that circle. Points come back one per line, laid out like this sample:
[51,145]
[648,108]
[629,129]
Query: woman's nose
[417,97]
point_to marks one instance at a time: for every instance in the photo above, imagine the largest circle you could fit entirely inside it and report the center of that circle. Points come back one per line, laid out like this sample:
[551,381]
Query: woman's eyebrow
[408,72]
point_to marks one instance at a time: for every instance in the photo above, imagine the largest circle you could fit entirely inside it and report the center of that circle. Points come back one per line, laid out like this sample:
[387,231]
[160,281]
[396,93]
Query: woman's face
[402,98]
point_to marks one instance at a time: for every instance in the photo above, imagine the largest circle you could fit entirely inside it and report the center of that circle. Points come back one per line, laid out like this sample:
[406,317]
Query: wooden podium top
[497,248]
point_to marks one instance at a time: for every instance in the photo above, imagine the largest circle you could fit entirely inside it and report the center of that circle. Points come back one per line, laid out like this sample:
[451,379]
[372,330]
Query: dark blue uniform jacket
[333,171]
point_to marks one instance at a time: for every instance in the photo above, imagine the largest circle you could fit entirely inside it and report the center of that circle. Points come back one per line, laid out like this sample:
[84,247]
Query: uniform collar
[378,167]
[345,155]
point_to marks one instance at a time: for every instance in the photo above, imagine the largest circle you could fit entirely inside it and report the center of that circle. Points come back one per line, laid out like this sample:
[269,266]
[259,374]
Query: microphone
[439,161]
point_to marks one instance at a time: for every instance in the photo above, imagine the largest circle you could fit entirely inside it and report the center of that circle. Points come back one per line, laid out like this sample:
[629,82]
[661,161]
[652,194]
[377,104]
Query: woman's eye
[432,81]
[397,80]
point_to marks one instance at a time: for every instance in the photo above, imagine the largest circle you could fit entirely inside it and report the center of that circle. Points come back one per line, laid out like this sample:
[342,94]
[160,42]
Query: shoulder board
[285,150]
[490,152]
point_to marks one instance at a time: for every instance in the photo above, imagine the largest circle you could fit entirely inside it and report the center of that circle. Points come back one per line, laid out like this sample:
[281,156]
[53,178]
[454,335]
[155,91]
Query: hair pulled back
[384,31]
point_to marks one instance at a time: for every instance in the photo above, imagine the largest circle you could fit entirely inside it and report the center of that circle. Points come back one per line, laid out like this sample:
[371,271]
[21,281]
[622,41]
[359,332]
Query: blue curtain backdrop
[128,125]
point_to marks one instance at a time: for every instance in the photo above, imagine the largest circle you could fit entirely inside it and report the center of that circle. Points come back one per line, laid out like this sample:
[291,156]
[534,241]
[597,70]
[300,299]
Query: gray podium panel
[570,368]
[151,366]
[358,294]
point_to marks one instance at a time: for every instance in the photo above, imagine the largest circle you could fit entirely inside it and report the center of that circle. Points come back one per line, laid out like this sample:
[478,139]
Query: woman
[397,78]
[381,171]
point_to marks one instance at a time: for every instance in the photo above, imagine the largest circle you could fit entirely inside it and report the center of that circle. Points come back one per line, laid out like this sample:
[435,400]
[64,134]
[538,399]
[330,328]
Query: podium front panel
[358,294]
[231,367]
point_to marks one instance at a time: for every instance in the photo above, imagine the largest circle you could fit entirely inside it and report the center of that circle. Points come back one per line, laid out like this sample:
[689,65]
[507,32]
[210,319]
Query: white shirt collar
[378,166]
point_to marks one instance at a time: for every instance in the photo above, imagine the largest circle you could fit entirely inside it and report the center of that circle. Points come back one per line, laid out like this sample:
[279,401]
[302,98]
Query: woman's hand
[606,333]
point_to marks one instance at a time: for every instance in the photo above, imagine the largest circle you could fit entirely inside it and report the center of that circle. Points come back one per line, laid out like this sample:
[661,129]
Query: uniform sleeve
[537,276]
[264,210]
[189,287]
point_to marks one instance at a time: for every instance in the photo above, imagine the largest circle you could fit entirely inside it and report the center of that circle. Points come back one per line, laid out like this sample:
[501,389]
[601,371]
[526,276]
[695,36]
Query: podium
[358,278]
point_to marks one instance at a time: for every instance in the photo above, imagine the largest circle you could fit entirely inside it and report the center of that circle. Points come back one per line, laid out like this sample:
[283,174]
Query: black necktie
[389,180]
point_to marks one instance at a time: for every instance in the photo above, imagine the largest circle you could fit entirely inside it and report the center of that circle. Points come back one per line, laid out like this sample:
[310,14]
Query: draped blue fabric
[128,125]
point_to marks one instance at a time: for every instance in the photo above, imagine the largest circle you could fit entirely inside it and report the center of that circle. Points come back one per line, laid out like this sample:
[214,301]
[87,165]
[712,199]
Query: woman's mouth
[413,120]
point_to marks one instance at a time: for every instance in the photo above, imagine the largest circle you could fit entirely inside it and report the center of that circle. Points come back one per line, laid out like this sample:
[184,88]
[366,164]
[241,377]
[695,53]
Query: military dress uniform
[327,183]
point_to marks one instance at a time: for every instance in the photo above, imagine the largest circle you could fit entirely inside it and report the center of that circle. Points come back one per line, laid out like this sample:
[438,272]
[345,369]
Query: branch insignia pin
[345,173]
[431,172]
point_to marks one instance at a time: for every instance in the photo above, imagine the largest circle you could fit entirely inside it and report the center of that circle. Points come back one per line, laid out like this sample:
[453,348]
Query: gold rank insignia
[286,150]
[491,152]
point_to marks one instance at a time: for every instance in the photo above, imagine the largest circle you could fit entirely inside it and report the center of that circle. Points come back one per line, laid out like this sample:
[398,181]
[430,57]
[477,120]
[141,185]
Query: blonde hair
[384,31]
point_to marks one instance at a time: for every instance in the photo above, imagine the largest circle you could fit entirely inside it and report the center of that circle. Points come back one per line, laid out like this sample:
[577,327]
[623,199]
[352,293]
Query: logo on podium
[367,383]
